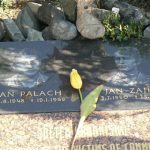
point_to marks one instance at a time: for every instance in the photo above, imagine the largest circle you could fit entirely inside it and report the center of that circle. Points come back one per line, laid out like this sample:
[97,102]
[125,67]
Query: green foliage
[89,103]
[55,2]
[5,4]
[117,30]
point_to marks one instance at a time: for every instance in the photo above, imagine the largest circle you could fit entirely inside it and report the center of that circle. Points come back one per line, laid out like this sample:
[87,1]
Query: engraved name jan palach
[34,76]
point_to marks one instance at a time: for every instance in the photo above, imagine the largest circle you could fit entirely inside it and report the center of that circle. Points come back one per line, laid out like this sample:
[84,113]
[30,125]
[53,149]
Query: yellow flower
[75,79]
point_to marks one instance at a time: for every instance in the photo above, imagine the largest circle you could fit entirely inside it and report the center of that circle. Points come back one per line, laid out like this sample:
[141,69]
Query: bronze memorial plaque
[34,76]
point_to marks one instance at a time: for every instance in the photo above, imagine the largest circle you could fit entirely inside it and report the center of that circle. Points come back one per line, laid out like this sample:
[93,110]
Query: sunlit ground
[54,131]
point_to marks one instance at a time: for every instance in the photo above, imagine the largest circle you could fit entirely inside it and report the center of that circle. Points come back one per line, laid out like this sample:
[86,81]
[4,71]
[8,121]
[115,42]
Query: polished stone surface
[34,76]
[114,130]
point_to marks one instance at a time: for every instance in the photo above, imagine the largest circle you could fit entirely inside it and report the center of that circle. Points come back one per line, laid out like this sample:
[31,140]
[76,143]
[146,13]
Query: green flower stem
[81,97]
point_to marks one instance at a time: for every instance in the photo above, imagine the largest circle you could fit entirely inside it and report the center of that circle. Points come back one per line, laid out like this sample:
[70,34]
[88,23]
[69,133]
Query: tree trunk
[87,24]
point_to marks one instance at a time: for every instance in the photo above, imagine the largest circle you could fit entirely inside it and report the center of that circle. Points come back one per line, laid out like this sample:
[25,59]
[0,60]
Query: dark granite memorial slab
[34,76]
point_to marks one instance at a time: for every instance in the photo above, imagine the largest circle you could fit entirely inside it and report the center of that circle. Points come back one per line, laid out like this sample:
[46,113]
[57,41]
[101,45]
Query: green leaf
[89,103]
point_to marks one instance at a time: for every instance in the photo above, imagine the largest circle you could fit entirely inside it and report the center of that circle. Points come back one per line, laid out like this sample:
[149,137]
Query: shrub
[116,29]
[5,3]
